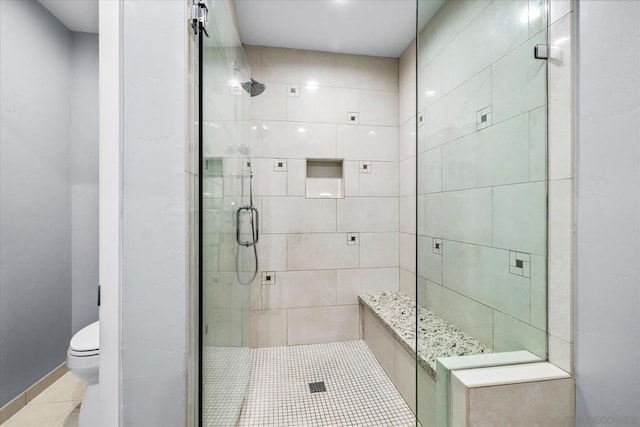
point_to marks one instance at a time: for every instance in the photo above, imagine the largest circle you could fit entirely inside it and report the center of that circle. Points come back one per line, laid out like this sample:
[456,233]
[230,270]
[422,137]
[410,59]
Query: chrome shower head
[253,87]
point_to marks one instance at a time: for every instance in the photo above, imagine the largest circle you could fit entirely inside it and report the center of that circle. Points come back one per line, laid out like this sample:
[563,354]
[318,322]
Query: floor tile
[72,420]
[358,392]
[42,415]
[68,388]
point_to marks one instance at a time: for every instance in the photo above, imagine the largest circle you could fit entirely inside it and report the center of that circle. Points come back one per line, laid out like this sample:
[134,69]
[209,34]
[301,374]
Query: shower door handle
[255,232]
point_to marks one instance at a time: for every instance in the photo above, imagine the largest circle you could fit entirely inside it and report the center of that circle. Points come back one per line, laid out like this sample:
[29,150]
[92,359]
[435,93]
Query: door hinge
[199,16]
[541,51]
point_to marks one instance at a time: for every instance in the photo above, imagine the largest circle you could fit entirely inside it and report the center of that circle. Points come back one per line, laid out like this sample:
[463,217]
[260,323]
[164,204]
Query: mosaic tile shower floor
[358,392]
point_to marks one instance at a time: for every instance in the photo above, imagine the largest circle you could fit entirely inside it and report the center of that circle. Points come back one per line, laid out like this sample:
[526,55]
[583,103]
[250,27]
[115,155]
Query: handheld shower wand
[255,232]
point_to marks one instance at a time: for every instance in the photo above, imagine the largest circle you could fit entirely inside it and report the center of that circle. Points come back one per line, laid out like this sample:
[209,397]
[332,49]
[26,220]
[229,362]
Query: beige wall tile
[446,25]
[378,108]
[520,217]
[476,48]
[560,71]
[379,249]
[254,57]
[560,275]
[559,8]
[323,324]
[368,214]
[380,342]
[407,84]
[543,403]
[382,181]
[268,328]
[325,105]
[408,214]
[300,289]
[408,283]
[407,138]
[561,353]
[408,177]
[367,72]
[298,66]
[271,105]
[298,215]
[510,334]
[362,142]
[519,81]
[470,316]
[321,252]
[430,171]
[408,252]
[426,399]
[497,155]
[404,374]
[298,140]
[358,281]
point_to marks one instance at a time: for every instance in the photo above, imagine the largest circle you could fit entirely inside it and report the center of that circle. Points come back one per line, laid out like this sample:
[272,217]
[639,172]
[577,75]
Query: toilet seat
[89,353]
[86,342]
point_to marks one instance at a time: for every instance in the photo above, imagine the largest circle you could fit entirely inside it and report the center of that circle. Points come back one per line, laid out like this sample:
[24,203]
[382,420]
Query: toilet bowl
[83,358]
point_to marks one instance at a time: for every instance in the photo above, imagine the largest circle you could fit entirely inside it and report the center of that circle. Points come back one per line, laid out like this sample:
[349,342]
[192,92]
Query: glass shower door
[228,222]
[481,126]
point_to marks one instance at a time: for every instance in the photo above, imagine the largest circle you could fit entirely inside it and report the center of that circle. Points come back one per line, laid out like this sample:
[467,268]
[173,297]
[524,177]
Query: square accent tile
[520,264]
[268,277]
[279,165]
[293,90]
[365,167]
[353,117]
[483,118]
[353,238]
[436,246]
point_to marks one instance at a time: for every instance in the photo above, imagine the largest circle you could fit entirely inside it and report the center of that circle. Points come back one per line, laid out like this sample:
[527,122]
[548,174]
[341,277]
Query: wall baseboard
[21,400]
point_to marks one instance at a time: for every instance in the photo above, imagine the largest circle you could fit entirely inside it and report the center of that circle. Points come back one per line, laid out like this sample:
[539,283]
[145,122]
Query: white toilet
[83,359]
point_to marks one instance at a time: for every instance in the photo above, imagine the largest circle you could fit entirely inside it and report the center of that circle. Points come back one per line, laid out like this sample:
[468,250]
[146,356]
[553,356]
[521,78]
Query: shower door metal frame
[199,20]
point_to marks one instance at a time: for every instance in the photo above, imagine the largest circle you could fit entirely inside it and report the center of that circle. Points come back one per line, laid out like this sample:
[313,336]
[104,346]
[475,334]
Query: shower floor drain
[317,387]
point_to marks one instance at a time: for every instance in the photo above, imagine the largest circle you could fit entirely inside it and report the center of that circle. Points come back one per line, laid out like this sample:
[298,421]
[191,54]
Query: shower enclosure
[481,159]
[459,217]
[228,220]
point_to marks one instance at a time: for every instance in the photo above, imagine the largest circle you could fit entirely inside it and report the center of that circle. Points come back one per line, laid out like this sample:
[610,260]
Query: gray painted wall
[84,179]
[35,197]
[48,191]
[154,217]
[607,313]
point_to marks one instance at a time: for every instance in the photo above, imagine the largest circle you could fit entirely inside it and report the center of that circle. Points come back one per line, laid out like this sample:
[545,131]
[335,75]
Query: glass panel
[481,186]
[194,215]
[227,218]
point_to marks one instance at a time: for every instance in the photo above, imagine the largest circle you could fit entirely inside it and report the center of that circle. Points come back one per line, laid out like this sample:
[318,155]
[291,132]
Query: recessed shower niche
[325,179]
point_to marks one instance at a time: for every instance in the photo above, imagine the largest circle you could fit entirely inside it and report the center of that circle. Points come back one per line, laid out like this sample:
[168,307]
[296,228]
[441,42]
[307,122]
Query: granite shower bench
[389,329]
[388,326]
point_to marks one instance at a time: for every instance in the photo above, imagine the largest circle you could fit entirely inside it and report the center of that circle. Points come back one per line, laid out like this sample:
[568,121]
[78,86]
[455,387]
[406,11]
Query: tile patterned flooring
[358,392]
[226,375]
[57,406]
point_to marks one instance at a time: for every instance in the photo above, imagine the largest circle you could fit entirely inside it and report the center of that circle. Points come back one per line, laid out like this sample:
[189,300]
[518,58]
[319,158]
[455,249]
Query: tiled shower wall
[482,171]
[304,113]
